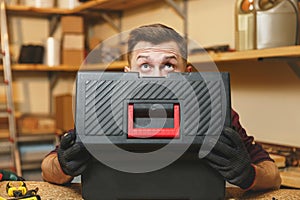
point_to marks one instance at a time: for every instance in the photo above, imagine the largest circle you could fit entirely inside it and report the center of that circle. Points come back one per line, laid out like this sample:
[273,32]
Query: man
[156,50]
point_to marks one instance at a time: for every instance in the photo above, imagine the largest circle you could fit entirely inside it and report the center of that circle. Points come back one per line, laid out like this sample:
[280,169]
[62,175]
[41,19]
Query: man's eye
[168,67]
[145,67]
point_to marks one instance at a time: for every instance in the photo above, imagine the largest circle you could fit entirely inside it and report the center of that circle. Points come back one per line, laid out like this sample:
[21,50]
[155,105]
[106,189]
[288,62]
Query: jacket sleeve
[255,150]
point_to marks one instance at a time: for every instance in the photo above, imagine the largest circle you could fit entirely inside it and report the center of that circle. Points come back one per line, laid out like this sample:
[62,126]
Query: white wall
[31,92]
[267,96]
[210,22]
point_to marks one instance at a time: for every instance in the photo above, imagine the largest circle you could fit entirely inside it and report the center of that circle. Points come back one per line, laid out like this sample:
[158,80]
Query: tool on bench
[19,190]
[16,189]
[6,175]
[36,197]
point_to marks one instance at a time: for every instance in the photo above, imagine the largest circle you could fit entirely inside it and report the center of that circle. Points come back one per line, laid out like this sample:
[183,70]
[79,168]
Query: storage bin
[38,3]
[68,4]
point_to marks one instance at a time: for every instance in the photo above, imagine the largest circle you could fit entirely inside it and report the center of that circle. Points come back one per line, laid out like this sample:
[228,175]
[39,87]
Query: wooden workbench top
[282,194]
[49,191]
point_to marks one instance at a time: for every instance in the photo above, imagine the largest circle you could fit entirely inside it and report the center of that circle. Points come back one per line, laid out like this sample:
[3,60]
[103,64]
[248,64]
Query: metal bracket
[295,67]
[179,11]
[115,25]
[111,22]
[53,24]
[182,12]
[53,78]
[291,61]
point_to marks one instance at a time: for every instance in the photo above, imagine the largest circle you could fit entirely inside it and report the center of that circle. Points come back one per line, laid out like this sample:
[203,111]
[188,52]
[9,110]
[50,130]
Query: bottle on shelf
[245,25]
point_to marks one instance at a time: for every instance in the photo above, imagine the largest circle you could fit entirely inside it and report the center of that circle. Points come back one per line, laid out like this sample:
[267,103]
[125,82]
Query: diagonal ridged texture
[104,110]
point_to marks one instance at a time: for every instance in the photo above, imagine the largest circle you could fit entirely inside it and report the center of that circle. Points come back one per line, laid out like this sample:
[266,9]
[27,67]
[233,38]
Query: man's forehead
[147,47]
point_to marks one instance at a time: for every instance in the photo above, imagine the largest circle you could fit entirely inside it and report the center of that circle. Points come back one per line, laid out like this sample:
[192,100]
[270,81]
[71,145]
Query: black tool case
[145,133]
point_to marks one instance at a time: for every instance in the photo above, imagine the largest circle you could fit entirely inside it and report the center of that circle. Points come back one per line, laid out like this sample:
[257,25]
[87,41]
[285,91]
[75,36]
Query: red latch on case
[154,132]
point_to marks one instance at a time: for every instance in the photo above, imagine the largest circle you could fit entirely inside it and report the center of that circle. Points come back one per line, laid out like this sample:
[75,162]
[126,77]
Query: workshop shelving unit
[289,53]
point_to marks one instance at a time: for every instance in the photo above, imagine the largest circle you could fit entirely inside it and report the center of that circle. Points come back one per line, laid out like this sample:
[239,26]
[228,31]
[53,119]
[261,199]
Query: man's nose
[157,71]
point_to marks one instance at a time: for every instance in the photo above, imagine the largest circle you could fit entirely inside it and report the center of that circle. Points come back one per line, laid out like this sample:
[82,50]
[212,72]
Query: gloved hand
[230,158]
[72,156]
[6,175]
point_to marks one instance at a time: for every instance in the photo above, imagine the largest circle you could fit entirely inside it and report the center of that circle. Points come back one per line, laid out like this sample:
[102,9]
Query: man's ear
[189,68]
[126,69]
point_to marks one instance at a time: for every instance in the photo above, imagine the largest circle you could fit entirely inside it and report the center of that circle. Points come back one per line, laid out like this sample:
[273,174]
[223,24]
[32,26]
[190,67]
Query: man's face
[156,60]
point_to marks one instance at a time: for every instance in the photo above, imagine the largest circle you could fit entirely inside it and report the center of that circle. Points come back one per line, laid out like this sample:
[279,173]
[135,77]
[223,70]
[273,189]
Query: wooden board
[4,134]
[291,177]
[288,51]
[279,52]
[279,160]
[115,66]
[120,4]
[95,5]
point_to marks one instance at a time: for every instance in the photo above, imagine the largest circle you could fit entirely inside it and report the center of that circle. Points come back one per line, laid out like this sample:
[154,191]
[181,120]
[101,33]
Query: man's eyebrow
[142,56]
[165,58]
[170,57]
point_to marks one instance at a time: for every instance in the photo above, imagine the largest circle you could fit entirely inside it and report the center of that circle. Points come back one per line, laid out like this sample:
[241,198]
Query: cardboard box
[73,49]
[36,124]
[4,128]
[72,57]
[64,112]
[73,41]
[72,24]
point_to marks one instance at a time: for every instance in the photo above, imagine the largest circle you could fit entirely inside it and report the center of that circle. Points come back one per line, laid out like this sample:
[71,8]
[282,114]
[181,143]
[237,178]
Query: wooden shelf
[114,5]
[27,10]
[118,65]
[4,134]
[279,52]
[36,138]
[35,164]
[40,67]
[6,164]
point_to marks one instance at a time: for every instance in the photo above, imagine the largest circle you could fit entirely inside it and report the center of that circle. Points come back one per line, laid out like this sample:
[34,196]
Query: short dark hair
[156,34]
